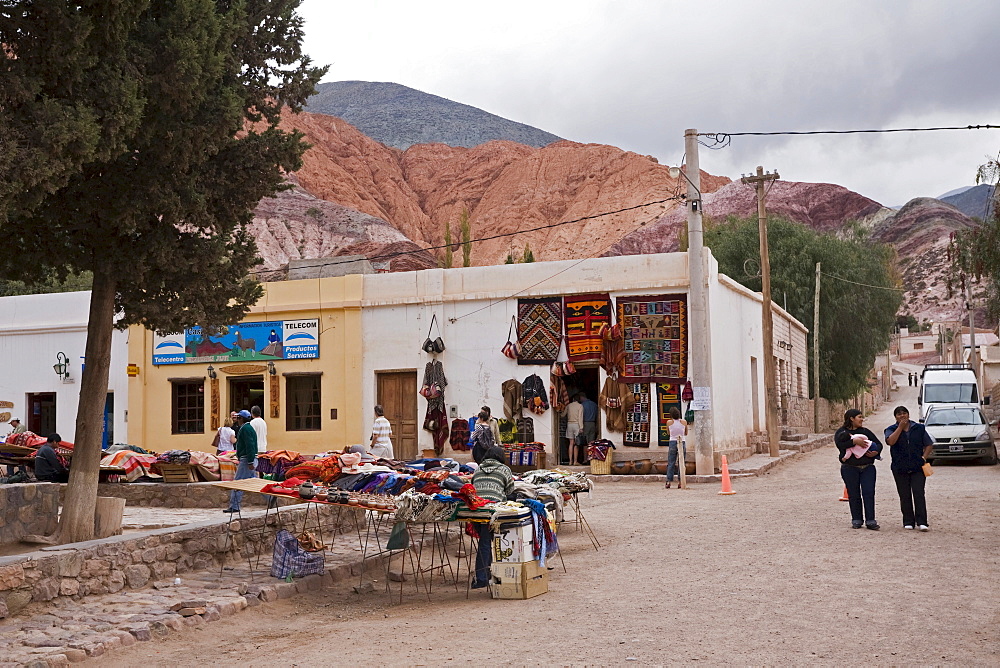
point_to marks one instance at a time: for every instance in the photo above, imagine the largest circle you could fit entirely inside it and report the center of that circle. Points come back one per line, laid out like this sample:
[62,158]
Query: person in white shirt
[574,427]
[227,437]
[381,445]
[260,427]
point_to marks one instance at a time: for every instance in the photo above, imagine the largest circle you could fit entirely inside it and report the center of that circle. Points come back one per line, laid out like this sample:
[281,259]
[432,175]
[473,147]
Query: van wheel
[990,459]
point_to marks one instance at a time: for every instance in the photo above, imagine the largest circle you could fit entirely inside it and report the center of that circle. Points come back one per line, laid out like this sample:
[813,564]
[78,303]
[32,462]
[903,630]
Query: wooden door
[397,393]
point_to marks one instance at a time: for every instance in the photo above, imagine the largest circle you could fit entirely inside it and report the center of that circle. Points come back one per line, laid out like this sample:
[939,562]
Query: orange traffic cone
[727,486]
[844,497]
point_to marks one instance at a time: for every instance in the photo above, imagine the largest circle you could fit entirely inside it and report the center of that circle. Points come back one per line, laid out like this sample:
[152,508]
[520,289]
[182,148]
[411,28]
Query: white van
[947,384]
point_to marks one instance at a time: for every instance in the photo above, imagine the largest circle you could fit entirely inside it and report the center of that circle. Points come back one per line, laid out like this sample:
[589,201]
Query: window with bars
[187,407]
[302,393]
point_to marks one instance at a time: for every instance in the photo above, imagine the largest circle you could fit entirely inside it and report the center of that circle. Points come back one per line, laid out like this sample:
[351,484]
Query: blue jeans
[672,460]
[860,483]
[244,470]
[484,556]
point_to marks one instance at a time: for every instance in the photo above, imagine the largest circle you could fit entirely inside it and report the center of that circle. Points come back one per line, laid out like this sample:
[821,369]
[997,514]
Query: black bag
[437,345]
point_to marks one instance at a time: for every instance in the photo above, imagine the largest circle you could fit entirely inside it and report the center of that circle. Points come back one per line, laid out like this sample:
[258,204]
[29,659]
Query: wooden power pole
[759,181]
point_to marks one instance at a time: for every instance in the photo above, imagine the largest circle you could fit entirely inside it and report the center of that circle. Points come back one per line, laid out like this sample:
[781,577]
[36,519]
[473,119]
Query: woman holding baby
[858,449]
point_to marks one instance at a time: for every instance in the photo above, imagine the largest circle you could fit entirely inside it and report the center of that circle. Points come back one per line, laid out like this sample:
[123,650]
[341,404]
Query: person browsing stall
[227,437]
[18,428]
[858,449]
[381,445]
[494,482]
[49,466]
[246,454]
[678,429]
[259,428]
[910,446]
[574,429]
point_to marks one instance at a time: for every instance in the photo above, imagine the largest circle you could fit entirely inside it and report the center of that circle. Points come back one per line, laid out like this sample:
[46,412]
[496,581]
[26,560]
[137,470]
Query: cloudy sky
[635,74]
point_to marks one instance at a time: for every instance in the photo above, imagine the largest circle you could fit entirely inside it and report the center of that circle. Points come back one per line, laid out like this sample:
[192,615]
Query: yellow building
[296,354]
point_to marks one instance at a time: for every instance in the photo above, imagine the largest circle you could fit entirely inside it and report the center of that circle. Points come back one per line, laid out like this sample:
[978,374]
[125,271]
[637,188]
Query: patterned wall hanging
[584,316]
[655,334]
[539,329]
[637,419]
[668,395]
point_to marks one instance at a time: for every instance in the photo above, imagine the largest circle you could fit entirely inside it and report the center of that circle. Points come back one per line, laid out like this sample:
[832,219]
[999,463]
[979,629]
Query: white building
[38,332]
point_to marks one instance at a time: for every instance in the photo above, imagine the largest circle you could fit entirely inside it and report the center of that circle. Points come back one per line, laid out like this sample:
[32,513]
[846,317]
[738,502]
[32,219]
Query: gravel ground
[773,575]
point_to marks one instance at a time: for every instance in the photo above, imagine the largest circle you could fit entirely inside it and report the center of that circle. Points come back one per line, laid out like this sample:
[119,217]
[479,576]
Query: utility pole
[770,381]
[816,354]
[974,353]
[700,340]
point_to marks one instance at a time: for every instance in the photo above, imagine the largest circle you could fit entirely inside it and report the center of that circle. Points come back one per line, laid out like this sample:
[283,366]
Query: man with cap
[246,453]
[18,427]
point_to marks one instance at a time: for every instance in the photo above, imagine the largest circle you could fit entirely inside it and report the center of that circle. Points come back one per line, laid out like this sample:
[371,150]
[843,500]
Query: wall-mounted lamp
[271,370]
[211,372]
[61,367]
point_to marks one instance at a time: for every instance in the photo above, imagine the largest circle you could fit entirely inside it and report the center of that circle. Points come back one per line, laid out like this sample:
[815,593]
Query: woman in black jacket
[858,472]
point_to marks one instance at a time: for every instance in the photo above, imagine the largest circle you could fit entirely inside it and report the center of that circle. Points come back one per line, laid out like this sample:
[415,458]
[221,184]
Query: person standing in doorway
[857,471]
[678,433]
[246,453]
[574,428]
[910,446]
[260,428]
[381,445]
[589,418]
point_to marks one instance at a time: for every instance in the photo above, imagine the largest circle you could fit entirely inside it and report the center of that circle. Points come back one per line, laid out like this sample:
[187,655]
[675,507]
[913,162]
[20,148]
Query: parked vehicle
[947,384]
[960,431]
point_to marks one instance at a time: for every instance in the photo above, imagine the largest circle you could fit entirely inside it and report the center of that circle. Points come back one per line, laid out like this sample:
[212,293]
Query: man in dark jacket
[910,446]
[48,467]
[246,453]
[494,482]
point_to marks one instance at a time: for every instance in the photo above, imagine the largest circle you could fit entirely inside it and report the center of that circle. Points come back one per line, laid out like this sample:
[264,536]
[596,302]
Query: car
[960,432]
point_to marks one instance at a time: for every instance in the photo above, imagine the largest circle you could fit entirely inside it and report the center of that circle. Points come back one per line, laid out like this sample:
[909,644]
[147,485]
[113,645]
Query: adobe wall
[28,508]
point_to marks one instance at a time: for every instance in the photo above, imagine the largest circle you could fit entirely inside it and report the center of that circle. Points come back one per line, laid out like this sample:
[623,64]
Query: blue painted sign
[245,341]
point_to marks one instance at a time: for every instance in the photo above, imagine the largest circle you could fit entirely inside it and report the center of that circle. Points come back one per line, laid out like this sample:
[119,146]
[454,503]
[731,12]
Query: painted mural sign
[269,340]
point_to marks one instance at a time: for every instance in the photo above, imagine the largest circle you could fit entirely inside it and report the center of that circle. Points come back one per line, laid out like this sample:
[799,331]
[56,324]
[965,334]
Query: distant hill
[400,117]
[973,202]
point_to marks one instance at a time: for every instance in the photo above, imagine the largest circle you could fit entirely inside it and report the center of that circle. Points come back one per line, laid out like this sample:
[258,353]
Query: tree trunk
[77,520]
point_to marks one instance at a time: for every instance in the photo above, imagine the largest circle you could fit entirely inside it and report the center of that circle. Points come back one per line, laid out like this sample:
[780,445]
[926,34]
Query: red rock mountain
[354,195]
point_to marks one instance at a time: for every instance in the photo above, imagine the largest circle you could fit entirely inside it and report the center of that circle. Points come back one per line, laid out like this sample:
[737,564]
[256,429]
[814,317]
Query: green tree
[528,256]
[166,136]
[448,253]
[72,283]
[466,226]
[856,321]
[975,253]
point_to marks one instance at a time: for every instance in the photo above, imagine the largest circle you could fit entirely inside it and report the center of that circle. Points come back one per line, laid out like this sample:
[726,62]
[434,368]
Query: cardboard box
[518,580]
[513,545]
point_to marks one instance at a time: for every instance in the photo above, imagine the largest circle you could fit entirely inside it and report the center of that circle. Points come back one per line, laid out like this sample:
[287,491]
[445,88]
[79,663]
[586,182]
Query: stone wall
[797,412]
[176,495]
[136,561]
[29,508]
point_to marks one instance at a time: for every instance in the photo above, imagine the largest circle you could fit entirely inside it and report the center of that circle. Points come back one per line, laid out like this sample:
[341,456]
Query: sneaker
[478,585]
[857,524]
[907,526]
[872,525]
[924,527]
[231,510]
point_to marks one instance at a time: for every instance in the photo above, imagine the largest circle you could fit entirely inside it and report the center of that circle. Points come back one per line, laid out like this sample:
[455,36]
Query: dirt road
[773,575]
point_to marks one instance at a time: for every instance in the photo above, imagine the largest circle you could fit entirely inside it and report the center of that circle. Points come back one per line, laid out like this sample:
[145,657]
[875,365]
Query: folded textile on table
[136,466]
[175,457]
[413,506]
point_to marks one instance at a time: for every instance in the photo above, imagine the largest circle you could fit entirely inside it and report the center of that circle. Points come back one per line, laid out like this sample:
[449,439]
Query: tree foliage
[448,252]
[135,139]
[465,225]
[976,253]
[856,321]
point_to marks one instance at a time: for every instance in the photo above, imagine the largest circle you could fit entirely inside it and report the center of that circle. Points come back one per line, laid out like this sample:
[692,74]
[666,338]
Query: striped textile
[585,315]
[539,329]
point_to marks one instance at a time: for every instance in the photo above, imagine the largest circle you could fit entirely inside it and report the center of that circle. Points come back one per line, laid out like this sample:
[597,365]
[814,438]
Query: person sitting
[48,465]
[494,482]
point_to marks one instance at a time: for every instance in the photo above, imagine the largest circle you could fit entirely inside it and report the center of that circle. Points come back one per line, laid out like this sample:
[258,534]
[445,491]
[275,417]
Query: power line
[864,285]
[389,256]
[723,139]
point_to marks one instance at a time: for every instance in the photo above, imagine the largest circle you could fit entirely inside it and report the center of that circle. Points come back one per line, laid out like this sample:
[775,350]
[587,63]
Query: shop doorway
[42,413]
[108,436]
[585,380]
[396,391]
[245,392]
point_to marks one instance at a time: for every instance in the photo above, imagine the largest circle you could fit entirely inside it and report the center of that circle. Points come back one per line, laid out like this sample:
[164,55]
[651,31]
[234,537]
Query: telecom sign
[242,342]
